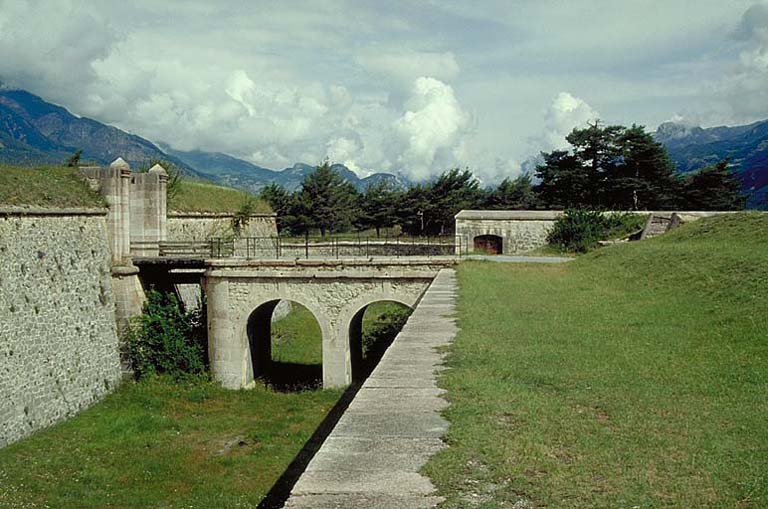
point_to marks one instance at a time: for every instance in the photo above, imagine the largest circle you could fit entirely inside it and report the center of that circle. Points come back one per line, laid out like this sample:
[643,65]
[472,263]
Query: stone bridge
[241,295]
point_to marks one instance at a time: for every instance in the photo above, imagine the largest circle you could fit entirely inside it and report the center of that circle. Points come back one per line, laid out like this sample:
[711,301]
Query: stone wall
[58,339]
[520,230]
[189,226]
[526,230]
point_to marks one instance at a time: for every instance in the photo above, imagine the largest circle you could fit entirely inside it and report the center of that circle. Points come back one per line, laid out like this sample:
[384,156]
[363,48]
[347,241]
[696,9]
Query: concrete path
[372,457]
[520,258]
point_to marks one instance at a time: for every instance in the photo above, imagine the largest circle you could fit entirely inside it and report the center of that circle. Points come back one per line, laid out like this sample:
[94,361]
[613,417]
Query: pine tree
[326,201]
[714,188]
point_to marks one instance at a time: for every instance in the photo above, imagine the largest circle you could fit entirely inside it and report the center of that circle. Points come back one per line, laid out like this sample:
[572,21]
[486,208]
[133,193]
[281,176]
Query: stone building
[503,231]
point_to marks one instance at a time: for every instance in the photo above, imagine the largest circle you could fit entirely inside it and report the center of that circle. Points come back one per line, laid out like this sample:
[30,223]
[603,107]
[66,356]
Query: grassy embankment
[175,445]
[197,196]
[635,376]
[50,187]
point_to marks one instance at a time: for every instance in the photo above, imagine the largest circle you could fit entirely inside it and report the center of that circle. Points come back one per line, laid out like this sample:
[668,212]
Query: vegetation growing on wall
[51,187]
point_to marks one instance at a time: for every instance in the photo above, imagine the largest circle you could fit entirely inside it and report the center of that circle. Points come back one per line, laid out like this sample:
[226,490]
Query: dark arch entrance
[371,331]
[294,368]
[489,244]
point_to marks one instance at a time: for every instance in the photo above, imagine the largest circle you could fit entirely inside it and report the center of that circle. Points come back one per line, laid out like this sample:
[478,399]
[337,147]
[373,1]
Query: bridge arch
[241,295]
[351,326]
[259,334]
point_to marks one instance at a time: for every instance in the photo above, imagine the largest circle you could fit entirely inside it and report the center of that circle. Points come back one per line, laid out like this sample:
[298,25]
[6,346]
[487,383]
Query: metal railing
[278,247]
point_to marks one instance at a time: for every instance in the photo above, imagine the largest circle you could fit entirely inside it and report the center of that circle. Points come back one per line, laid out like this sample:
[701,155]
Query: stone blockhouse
[503,231]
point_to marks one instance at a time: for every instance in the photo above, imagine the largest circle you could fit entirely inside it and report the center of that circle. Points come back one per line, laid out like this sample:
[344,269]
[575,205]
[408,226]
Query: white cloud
[432,125]
[565,113]
[406,64]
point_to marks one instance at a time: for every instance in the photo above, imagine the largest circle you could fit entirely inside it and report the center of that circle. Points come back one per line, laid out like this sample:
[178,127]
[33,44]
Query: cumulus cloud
[746,87]
[565,113]
[430,128]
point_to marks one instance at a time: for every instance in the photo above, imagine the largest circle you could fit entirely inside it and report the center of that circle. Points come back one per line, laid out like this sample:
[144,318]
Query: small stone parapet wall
[58,339]
[183,227]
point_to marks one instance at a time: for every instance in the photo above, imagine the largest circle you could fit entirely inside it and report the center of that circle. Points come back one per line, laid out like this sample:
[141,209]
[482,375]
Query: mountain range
[33,131]
[745,147]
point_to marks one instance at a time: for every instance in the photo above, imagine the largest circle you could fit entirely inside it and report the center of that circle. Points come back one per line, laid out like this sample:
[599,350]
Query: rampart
[58,338]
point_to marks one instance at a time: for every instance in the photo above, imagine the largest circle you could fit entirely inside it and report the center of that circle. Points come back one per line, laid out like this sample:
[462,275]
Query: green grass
[160,444]
[634,376]
[195,196]
[46,187]
[297,337]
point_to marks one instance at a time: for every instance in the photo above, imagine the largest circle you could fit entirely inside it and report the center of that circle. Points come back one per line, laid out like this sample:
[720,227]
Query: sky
[415,87]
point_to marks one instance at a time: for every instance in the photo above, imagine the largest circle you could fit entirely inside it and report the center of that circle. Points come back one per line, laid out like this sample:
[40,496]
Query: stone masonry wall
[58,339]
[202,226]
[518,236]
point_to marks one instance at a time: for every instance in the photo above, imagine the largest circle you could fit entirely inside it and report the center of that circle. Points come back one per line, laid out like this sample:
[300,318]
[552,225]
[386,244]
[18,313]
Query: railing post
[306,247]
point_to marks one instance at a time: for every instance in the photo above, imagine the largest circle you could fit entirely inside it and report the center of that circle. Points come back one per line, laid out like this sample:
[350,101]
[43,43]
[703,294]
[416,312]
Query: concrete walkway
[372,457]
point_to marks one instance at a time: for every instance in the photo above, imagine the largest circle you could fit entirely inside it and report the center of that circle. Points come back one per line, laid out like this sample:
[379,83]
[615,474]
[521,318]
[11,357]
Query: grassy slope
[633,377]
[46,187]
[195,196]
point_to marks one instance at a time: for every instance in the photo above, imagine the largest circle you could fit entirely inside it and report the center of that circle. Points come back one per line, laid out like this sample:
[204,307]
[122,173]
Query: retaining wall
[58,339]
[189,226]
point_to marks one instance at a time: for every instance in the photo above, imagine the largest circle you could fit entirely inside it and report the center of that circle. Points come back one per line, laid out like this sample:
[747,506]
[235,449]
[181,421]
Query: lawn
[163,444]
[46,187]
[635,376]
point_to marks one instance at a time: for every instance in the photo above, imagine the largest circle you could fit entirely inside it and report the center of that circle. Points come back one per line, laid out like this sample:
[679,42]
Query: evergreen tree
[283,204]
[609,167]
[514,194]
[452,192]
[714,188]
[379,205]
[326,201]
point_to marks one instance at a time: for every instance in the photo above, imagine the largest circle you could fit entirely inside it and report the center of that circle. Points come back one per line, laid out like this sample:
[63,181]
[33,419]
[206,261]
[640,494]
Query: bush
[380,333]
[579,230]
[165,339]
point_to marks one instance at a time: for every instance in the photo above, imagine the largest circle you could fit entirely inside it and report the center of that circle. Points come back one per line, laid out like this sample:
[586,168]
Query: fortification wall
[58,339]
[189,226]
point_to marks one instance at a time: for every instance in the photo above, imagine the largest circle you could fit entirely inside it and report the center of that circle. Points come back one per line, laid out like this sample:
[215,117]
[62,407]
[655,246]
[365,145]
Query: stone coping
[43,211]
[174,214]
[551,215]
[446,261]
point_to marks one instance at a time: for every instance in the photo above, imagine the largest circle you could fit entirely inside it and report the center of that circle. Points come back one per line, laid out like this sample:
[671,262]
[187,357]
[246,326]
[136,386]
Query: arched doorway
[488,244]
[371,331]
[285,349]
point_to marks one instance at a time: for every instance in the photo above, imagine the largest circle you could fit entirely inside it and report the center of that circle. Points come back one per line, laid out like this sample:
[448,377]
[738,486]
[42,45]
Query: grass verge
[635,376]
[46,187]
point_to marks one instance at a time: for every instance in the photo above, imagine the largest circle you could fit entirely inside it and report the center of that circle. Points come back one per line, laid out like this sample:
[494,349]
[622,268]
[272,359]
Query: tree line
[608,167]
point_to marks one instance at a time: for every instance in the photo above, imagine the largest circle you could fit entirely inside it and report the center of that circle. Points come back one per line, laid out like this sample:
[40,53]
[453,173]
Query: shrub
[579,230]
[166,339]
[380,333]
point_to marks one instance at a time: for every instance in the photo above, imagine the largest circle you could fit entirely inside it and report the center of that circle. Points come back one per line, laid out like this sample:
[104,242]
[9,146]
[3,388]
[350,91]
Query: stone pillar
[227,353]
[337,361]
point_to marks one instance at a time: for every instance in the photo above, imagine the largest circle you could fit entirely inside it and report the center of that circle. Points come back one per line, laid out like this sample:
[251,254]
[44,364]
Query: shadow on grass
[293,376]
[279,493]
